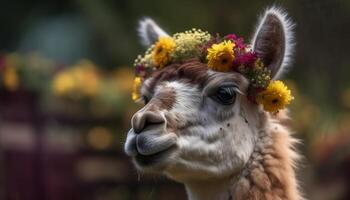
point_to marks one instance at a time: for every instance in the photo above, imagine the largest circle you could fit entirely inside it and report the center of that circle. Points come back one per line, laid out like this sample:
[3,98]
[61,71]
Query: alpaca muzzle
[148,139]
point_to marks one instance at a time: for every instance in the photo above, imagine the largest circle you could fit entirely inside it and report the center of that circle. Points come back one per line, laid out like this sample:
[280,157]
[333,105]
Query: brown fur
[166,98]
[191,71]
[269,174]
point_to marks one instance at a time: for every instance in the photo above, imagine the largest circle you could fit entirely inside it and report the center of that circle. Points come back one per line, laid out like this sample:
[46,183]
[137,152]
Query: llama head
[198,123]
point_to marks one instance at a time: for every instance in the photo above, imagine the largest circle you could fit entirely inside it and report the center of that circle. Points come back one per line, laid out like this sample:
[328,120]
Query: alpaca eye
[225,95]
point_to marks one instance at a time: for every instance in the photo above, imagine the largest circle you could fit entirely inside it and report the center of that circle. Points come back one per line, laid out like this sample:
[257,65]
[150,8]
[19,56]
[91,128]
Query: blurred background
[66,76]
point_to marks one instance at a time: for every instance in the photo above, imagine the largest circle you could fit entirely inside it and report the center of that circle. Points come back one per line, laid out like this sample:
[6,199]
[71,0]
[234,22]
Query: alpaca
[218,151]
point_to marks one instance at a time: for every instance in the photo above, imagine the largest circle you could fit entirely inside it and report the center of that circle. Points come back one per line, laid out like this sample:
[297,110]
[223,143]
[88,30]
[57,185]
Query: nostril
[142,120]
[153,118]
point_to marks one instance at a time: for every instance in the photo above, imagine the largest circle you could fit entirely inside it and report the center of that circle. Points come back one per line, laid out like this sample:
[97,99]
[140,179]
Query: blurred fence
[48,156]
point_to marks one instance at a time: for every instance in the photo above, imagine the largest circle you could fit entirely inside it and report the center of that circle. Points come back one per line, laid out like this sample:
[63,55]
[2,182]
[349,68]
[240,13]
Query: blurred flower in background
[10,77]
[78,80]
[100,138]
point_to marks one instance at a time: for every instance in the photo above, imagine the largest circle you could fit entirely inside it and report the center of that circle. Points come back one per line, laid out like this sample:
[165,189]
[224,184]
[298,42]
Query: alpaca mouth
[149,160]
[150,147]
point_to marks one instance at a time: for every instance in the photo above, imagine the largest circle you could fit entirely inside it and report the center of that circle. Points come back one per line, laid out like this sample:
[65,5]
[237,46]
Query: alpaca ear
[272,40]
[149,31]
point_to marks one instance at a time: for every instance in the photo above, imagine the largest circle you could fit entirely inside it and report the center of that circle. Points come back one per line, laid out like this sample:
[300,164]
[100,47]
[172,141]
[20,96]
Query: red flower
[240,43]
[232,37]
[244,59]
[248,59]
[139,68]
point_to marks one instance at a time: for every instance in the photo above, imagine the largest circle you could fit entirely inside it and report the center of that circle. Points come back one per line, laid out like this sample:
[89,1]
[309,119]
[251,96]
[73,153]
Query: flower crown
[224,54]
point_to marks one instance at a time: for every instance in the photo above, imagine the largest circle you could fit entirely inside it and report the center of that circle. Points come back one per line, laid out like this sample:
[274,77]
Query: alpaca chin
[155,163]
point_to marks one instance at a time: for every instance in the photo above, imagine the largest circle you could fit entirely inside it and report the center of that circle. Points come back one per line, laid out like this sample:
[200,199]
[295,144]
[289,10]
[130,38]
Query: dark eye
[145,99]
[225,95]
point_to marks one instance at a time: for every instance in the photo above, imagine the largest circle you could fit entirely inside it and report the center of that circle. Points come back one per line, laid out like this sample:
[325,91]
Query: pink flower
[232,37]
[244,59]
[240,43]
[139,68]
[248,59]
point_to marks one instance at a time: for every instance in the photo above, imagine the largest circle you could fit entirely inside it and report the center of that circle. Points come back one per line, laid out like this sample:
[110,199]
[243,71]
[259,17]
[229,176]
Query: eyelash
[225,95]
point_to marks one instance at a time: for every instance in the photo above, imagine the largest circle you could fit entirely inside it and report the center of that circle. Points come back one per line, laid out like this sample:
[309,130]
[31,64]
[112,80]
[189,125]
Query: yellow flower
[162,50]
[275,97]
[11,80]
[63,83]
[122,79]
[220,56]
[86,78]
[100,138]
[136,93]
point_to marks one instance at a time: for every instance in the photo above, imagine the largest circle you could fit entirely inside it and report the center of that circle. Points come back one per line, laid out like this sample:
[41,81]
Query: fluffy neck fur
[269,174]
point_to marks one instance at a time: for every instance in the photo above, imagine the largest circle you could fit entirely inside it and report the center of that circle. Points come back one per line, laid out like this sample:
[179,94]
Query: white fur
[187,97]
[288,27]
[208,148]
